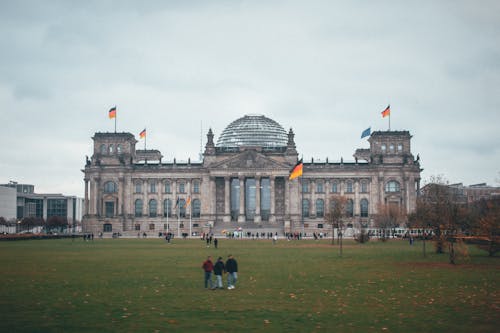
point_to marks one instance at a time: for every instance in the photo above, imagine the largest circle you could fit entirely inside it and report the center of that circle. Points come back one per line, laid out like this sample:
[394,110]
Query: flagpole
[389,121]
[190,221]
[168,228]
[115,122]
[302,205]
[178,219]
[146,136]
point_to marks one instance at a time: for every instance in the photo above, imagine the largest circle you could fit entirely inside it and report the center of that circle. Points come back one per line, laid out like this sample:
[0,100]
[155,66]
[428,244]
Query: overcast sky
[324,68]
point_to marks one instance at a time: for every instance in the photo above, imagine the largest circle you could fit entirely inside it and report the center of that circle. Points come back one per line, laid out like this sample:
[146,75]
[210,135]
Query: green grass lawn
[146,285]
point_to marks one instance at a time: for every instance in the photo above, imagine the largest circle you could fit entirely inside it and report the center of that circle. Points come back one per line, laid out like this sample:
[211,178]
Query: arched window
[335,187]
[167,208]
[349,208]
[138,208]
[110,187]
[111,149]
[119,149]
[167,187]
[153,208]
[320,208]
[363,205]
[196,208]
[348,186]
[138,187]
[305,207]
[319,187]
[391,148]
[102,149]
[182,208]
[392,186]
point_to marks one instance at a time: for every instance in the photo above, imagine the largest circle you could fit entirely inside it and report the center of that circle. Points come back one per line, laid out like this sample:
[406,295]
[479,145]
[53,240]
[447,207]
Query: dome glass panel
[253,130]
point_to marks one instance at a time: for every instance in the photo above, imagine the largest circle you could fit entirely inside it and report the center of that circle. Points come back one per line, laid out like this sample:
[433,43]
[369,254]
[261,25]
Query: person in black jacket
[232,272]
[219,268]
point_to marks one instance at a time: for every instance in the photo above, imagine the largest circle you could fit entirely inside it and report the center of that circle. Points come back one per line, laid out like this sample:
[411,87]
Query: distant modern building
[476,192]
[242,182]
[8,203]
[27,203]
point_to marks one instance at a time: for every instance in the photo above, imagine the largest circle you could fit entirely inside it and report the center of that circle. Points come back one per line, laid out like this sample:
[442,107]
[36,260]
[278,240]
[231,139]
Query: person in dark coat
[208,267]
[232,272]
[219,268]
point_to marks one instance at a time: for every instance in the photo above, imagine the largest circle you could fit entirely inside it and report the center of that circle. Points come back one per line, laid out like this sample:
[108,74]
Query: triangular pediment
[249,159]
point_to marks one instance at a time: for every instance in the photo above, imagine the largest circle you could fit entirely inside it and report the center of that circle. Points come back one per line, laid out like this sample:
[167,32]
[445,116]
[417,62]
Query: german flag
[387,111]
[142,135]
[112,112]
[296,170]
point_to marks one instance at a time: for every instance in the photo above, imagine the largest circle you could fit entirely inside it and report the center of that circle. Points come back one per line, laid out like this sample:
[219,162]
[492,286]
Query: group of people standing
[230,267]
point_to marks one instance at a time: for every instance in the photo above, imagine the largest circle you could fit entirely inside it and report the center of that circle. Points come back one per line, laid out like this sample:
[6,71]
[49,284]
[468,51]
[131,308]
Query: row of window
[112,187]
[108,227]
[320,207]
[392,148]
[169,205]
[111,149]
[390,186]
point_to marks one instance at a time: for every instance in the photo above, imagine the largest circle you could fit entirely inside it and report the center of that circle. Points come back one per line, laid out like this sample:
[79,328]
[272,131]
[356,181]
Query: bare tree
[487,225]
[445,211]
[335,217]
[389,217]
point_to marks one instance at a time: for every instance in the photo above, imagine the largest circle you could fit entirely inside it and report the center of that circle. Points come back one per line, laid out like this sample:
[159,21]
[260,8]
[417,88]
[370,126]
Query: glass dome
[253,130]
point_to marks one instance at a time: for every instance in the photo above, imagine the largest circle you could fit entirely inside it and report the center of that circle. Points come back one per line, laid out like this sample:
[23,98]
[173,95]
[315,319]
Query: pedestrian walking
[219,268]
[216,242]
[232,272]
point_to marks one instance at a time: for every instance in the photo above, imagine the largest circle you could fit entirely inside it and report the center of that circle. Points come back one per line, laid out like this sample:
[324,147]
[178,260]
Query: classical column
[312,204]
[86,197]
[145,190]
[227,199]
[357,208]
[121,196]
[272,217]
[241,217]
[257,217]
[98,192]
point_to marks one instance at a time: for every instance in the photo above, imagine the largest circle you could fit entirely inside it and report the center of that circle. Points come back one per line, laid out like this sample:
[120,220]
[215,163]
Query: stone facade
[132,192]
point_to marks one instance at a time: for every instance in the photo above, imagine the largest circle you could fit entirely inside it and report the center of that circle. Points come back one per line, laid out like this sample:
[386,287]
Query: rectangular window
[349,187]
[319,187]
[305,186]
[320,226]
[137,227]
[182,188]
[196,187]
[152,187]
[335,187]
[167,187]
[109,208]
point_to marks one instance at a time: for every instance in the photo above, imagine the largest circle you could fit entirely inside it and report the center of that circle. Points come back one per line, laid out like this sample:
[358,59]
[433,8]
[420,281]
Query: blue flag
[366,132]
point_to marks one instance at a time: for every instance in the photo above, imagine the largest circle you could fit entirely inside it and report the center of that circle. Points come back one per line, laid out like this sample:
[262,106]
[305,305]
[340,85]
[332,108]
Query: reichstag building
[242,183]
